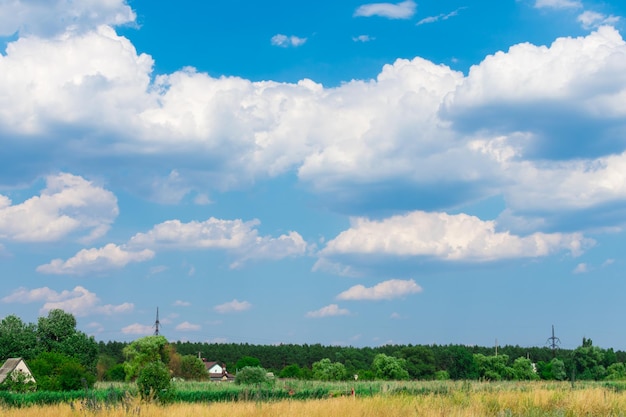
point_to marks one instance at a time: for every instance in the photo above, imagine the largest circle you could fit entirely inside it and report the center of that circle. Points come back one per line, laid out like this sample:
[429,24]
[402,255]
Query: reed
[460,400]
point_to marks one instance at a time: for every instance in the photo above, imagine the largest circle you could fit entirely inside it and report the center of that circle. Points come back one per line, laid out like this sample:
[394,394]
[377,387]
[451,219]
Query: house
[15,365]
[217,371]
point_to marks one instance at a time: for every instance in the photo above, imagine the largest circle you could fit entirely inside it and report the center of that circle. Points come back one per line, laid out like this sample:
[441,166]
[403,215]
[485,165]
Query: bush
[58,372]
[251,375]
[153,381]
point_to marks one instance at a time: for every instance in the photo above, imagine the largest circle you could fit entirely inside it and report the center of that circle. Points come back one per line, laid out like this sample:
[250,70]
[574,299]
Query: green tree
[154,381]
[291,371]
[493,368]
[247,361]
[143,351]
[58,372]
[523,370]
[325,370]
[420,361]
[588,361]
[192,367]
[389,367]
[57,333]
[18,339]
[251,375]
[616,372]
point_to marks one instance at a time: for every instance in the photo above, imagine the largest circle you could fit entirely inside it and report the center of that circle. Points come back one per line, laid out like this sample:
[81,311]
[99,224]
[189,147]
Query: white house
[14,365]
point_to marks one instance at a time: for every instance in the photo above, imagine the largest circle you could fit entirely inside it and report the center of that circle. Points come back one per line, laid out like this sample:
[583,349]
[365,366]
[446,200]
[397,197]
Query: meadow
[427,399]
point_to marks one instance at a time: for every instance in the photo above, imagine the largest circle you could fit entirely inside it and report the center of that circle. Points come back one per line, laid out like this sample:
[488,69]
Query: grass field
[392,399]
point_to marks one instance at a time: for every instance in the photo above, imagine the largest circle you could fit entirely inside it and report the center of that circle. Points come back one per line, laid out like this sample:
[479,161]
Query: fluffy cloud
[137,328]
[285,41]
[402,10]
[235,235]
[95,260]
[387,290]
[446,237]
[80,301]
[330,310]
[188,327]
[53,17]
[358,145]
[234,306]
[69,204]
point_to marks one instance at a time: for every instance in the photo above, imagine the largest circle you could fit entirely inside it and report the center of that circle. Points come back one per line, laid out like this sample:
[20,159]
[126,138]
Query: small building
[217,371]
[15,365]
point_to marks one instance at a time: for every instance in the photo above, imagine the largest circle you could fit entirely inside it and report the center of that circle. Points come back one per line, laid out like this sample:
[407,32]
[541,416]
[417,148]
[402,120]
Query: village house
[217,371]
[12,366]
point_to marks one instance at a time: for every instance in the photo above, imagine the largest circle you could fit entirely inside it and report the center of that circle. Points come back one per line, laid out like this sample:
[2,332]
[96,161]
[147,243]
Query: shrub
[153,381]
[251,375]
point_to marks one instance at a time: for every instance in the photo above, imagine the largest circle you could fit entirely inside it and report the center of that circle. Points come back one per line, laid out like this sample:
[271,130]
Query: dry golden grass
[476,400]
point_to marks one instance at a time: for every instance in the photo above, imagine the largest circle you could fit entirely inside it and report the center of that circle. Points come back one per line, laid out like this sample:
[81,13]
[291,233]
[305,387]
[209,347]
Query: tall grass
[458,399]
[498,401]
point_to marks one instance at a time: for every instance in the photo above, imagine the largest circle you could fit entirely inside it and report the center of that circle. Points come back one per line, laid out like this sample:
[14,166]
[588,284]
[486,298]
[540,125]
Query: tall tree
[18,339]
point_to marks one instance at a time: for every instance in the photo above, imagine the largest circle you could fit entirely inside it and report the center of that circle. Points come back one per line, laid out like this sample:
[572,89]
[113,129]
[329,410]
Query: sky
[343,173]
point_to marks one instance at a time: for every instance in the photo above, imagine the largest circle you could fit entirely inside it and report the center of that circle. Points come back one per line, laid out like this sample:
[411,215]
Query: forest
[64,358]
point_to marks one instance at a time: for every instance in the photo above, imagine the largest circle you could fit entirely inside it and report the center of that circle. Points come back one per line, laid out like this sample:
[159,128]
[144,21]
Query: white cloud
[429,116]
[68,205]
[234,306]
[180,303]
[80,301]
[442,16]
[402,10]
[211,233]
[285,41]
[234,235]
[53,17]
[188,327]
[136,328]
[95,260]
[363,38]
[446,237]
[558,4]
[591,20]
[330,310]
[581,268]
[386,290]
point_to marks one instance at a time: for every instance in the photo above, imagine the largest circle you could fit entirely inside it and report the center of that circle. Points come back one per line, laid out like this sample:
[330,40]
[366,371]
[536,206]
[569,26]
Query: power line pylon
[553,342]
[157,323]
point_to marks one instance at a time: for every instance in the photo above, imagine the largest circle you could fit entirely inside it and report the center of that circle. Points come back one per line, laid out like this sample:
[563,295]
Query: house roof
[9,366]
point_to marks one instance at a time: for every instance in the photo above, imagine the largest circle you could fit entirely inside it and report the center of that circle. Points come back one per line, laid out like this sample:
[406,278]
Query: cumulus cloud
[402,10]
[68,205]
[581,268]
[358,145]
[137,328]
[234,306]
[330,310]
[95,260]
[54,17]
[558,4]
[285,41]
[447,237]
[188,327]
[79,301]
[235,235]
[387,290]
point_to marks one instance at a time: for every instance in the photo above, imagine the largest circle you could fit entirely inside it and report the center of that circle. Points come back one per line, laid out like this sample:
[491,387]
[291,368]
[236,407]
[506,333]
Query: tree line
[64,358]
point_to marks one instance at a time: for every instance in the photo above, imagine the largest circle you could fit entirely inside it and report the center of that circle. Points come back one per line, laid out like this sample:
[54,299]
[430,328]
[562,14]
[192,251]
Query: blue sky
[279,172]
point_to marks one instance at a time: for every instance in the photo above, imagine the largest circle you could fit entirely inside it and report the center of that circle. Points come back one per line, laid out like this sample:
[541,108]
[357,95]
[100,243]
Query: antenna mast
[553,342]
[157,323]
